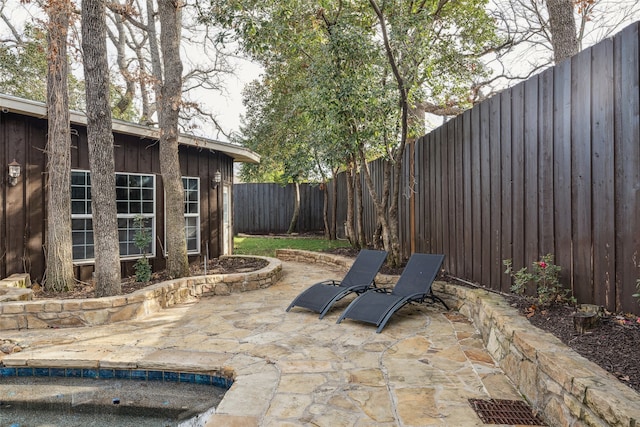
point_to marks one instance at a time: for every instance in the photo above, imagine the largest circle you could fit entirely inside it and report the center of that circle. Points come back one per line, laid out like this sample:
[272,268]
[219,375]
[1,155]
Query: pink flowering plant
[546,277]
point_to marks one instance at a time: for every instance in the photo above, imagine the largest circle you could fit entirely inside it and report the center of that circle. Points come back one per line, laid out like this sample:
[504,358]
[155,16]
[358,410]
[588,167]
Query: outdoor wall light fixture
[217,178]
[14,173]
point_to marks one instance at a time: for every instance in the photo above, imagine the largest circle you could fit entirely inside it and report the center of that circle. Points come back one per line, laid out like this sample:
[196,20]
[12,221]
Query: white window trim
[185,215]
[197,216]
[153,217]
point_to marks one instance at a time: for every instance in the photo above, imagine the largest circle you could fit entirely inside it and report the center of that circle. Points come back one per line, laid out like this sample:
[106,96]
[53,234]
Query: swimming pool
[107,397]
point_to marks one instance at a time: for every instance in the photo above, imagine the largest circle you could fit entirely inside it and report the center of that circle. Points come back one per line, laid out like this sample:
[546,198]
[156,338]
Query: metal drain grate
[498,411]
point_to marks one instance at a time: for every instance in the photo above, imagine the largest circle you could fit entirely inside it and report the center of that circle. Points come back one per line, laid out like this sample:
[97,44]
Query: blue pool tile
[41,372]
[155,375]
[122,374]
[25,372]
[187,377]
[222,382]
[106,374]
[203,379]
[74,373]
[57,372]
[173,377]
[139,374]
[89,373]
[8,372]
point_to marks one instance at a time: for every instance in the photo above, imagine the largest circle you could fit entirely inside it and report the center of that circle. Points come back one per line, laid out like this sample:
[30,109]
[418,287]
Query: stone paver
[292,369]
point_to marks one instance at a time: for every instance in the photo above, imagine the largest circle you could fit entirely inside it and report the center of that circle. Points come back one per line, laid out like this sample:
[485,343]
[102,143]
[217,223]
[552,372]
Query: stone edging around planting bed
[57,313]
[15,288]
[566,388]
[329,259]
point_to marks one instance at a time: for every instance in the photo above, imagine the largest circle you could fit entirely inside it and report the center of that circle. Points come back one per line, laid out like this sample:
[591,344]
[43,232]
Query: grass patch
[266,246]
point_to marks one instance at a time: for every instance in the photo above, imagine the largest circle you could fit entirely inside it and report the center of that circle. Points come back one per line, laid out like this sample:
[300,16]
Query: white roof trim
[37,109]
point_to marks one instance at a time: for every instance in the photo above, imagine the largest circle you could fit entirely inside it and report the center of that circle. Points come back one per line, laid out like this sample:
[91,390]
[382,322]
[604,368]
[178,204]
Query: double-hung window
[192,213]
[135,198]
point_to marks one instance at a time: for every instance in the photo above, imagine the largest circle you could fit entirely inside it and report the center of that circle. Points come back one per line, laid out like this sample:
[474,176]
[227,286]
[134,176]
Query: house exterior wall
[23,207]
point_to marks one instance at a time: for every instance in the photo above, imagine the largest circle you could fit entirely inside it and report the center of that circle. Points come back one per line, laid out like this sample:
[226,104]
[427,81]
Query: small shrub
[141,240]
[637,294]
[546,276]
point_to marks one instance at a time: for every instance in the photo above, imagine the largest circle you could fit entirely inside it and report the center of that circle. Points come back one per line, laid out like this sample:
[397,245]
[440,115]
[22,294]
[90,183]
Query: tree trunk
[296,209]
[334,206]
[562,26]
[59,275]
[170,103]
[100,138]
[325,210]
[389,222]
[380,203]
[348,225]
[362,239]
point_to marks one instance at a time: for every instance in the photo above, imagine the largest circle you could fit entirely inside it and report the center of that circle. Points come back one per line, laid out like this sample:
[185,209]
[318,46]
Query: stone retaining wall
[329,259]
[53,313]
[566,388]
[15,288]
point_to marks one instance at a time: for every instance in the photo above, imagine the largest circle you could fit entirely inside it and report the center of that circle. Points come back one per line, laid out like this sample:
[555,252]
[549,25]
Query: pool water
[40,402]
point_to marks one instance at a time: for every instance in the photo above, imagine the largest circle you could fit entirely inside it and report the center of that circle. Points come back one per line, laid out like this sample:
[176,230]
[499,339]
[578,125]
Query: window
[135,197]
[81,225]
[192,213]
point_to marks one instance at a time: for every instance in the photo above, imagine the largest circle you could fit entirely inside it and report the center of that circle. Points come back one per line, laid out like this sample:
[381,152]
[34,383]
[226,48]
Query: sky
[228,107]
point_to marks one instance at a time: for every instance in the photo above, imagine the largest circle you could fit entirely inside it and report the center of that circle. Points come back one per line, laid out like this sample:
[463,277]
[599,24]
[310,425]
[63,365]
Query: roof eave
[39,110]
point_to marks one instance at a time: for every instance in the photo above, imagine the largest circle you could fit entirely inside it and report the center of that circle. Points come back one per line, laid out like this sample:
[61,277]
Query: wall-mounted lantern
[14,173]
[217,178]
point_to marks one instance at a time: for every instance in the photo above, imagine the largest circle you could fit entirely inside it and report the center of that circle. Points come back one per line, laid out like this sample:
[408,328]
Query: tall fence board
[551,165]
[268,208]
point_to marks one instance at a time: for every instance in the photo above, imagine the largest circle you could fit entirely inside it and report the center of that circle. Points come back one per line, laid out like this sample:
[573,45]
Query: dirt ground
[215,266]
[613,344]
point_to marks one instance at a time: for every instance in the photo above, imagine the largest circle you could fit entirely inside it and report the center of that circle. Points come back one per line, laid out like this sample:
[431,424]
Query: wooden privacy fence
[551,165]
[268,208]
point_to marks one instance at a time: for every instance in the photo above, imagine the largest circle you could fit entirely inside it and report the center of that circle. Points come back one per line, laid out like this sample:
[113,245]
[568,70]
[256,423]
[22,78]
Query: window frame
[128,216]
[197,215]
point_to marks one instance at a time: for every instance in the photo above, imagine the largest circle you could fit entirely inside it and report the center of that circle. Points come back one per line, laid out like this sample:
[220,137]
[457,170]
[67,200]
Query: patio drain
[499,411]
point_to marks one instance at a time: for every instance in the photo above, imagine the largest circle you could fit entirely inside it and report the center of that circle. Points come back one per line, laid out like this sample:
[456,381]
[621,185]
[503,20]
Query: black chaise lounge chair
[321,296]
[378,305]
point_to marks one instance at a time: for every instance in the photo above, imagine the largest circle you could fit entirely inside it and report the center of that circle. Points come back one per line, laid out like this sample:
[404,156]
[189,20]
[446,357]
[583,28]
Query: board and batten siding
[23,207]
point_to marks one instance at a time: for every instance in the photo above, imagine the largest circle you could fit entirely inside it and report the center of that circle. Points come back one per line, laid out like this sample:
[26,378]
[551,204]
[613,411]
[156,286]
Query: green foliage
[23,71]
[545,275]
[328,90]
[141,240]
[23,67]
[266,246]
[637,294]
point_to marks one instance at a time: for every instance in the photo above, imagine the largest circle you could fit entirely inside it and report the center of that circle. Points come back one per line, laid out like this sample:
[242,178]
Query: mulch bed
[225,265]
[613,344]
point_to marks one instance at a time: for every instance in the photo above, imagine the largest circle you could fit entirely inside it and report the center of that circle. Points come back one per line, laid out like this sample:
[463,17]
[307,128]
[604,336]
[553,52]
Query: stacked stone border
[566,388]
[59,313]
[15,288]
